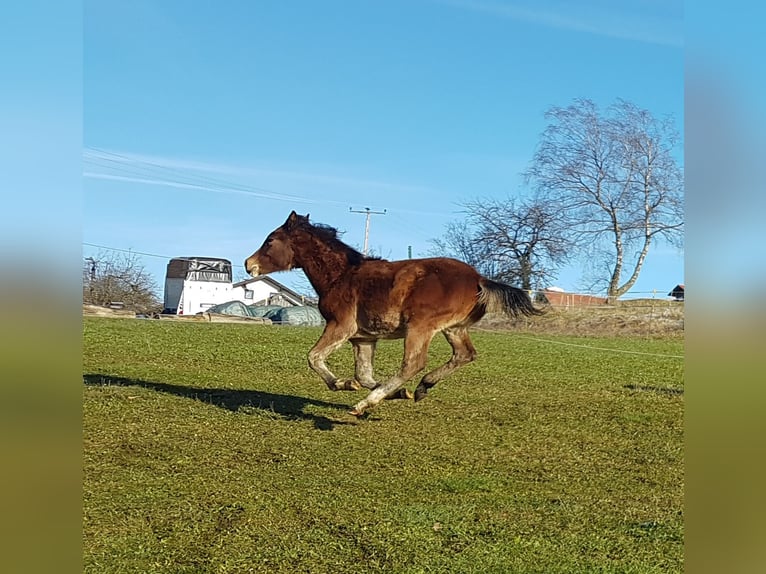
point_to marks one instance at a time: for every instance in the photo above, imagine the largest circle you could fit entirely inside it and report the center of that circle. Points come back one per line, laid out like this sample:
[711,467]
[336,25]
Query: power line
[105,164]
[140,171]
[653,292]
[126,250]
[132,252]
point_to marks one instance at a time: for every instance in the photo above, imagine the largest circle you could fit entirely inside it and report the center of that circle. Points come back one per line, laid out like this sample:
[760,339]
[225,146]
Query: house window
[249,293]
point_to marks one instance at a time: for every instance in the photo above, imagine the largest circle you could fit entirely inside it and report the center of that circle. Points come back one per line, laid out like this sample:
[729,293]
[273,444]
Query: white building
[263,290]
[194,284]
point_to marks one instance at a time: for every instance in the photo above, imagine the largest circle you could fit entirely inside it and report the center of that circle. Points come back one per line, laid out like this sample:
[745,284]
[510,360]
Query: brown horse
[364,299]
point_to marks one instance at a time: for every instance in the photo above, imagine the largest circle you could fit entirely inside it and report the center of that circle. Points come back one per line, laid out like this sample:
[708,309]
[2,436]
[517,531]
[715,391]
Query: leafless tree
[459,242]
[112,277]
[616,182]
[521,242]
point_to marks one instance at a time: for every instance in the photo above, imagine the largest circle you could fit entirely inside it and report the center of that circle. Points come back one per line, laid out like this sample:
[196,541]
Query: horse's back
[428,274]
[438,290]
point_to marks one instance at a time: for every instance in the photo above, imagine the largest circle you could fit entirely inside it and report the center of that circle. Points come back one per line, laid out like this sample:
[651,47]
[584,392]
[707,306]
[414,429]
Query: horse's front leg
[334,335]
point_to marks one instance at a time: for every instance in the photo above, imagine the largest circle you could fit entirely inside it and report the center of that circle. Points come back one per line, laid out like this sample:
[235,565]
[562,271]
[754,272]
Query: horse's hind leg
[463,352]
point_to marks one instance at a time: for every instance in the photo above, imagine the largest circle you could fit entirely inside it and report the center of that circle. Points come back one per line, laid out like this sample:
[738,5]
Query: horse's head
[277,252]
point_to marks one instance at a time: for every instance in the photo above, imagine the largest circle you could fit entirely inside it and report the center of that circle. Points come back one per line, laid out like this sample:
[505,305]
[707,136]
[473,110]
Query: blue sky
[205,123]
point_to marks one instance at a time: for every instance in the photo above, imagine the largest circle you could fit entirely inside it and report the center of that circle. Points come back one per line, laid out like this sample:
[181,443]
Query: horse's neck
[323,268]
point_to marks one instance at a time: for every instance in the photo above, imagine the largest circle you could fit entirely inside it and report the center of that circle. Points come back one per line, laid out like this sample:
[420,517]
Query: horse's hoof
[356,412]
[420,394]
[345,385]
[400,394]
[350,385]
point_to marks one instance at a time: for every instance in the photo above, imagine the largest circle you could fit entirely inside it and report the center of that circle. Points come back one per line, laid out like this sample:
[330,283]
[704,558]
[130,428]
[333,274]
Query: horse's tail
[501,298]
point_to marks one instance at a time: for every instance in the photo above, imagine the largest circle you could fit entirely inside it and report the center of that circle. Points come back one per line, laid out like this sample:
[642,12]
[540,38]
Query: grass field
[214,448]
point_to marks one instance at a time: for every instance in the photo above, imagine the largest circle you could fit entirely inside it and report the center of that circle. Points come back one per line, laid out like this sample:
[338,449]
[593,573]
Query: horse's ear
[294,219]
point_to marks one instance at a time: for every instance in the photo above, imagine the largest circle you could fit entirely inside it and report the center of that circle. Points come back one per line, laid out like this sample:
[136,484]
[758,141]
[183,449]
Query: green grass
[214,448]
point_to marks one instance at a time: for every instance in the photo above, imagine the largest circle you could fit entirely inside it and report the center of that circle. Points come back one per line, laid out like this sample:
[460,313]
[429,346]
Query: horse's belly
[398,334]
[381,328]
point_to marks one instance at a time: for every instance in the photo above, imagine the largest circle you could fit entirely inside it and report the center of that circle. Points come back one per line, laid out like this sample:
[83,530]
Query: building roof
[288,293]
[677,291]
[199,268]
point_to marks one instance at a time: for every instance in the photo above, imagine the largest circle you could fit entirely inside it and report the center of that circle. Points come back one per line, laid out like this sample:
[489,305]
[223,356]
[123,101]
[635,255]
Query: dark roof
[677,291]
[199,268]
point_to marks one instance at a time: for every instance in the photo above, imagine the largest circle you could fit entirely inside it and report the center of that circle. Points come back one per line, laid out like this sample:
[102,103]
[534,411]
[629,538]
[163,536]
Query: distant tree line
[113,277]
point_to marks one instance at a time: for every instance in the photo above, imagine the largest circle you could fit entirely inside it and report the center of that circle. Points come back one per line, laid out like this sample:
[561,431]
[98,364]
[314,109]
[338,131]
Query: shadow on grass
[287,407]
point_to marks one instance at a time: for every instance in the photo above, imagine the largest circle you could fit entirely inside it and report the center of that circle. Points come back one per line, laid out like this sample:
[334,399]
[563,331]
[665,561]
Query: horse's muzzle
[251,267]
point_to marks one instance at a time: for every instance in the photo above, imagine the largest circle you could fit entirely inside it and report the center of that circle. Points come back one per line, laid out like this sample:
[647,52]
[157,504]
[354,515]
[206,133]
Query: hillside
[649,317]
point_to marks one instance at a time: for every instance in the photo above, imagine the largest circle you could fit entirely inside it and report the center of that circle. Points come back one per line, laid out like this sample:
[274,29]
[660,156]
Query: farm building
[559,298]
[677,293]
[263,290]
[194,284]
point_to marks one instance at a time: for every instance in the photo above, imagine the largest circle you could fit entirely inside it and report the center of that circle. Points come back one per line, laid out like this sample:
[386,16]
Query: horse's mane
[329,235]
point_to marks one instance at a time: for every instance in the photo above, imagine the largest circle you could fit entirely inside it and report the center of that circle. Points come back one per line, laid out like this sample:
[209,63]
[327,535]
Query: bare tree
[526,239]
[518,242]
[111,277]
[615,180]
[459,241]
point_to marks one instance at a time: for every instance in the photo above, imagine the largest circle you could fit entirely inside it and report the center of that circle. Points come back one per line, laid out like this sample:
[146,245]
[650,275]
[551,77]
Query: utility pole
[92,267]
[368,213]
[93,263]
